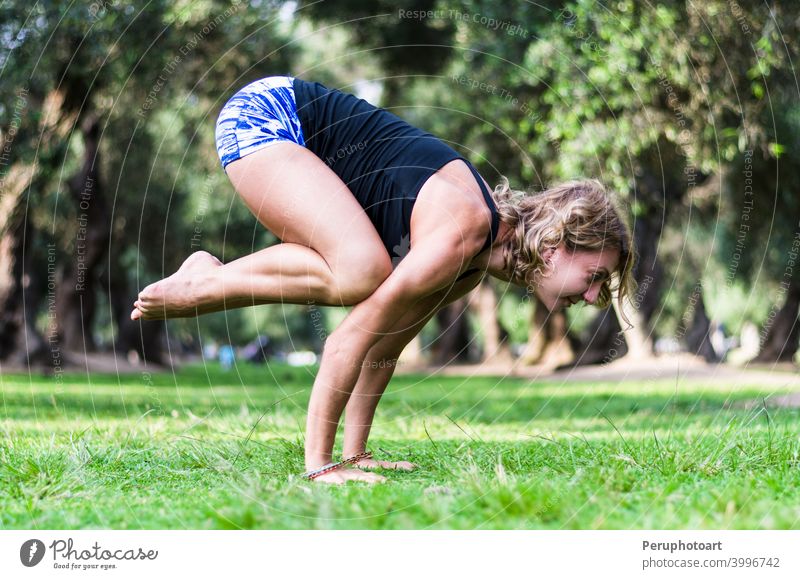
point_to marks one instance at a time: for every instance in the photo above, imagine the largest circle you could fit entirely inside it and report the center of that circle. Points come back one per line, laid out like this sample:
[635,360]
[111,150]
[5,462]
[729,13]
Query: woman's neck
[491,259]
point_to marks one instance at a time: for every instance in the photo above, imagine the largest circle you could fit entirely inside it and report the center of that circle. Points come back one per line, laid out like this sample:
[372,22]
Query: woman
[375,213]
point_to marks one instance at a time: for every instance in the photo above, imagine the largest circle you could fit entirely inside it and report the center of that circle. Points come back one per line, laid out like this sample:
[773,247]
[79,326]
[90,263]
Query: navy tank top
[383,159]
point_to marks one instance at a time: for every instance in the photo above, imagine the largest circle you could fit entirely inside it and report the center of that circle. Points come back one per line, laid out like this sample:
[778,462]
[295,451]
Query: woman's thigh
[301,200]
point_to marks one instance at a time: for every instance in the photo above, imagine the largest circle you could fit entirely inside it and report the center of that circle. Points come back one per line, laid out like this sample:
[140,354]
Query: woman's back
[383,159]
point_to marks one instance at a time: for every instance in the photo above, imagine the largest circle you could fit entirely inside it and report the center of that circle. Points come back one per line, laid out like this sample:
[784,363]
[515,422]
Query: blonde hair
[580,214]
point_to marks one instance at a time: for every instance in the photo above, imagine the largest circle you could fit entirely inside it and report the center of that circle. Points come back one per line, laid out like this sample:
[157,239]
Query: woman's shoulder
[451,199]
[460,173]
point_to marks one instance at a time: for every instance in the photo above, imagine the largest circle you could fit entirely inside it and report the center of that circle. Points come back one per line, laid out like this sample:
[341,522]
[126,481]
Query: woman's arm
[381,361]
[434,262]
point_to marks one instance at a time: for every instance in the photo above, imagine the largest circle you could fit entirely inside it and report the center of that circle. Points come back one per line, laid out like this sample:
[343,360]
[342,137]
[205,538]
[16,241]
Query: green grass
[209,449]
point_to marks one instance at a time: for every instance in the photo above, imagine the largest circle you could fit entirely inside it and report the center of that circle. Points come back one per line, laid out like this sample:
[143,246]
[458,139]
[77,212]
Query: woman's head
[568,242]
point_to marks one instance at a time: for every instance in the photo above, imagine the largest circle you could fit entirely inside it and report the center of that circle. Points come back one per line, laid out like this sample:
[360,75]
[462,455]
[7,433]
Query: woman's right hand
[342,475]
[371,463]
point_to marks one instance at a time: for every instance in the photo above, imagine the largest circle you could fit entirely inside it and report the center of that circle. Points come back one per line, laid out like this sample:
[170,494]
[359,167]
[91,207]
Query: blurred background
[689,111]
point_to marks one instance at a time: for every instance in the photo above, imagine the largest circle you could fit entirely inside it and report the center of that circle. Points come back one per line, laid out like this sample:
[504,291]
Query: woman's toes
[151,294]
[148,291]
[400,465]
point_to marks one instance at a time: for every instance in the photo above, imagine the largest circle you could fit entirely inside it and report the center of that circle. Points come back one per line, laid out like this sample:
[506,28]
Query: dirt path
[662,367]
[684,367]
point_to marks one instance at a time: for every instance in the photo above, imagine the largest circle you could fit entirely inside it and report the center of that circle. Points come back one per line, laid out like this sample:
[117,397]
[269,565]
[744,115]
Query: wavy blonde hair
[581,215]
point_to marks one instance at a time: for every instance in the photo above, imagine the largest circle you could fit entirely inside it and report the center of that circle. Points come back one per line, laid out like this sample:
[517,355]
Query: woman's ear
[547,262]
[547,256]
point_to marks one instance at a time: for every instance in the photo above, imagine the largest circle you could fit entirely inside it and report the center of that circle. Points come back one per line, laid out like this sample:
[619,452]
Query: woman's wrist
[331,466]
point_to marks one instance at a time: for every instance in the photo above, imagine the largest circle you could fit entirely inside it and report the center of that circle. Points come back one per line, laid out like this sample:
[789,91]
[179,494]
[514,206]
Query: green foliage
[156,77]
[654,99]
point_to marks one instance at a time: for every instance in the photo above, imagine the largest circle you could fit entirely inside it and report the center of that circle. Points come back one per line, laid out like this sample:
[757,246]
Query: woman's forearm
[338,373]
[360,410]
[381,361]
[343,357]
[369,322]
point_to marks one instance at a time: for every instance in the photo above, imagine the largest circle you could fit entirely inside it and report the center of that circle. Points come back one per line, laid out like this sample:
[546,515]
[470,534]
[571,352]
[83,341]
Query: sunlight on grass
[207,449]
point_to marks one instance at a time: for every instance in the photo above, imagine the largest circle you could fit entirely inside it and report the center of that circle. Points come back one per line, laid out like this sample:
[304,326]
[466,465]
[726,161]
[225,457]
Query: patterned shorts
[260,114]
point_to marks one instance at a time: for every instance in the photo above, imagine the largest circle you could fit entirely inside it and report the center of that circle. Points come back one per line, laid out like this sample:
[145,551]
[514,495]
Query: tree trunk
[698,339]
[137,341]
[782,330]
[495,339]
[603,342]
[79,277]
[638,343]
[537,336]
[558,351]
[453,342]
[548,342]
[20,342]
[142,341]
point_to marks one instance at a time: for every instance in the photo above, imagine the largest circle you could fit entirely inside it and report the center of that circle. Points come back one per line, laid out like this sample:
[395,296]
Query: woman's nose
[591,294]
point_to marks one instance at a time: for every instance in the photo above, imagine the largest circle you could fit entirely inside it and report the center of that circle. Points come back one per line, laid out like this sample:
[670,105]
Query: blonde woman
[375,213]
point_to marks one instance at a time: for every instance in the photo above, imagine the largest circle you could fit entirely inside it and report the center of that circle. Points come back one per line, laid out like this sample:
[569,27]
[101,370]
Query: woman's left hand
[371,464]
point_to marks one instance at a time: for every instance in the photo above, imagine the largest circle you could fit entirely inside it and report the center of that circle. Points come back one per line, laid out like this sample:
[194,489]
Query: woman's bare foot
[371,463]
[342,475]
[179,294]
[199,261]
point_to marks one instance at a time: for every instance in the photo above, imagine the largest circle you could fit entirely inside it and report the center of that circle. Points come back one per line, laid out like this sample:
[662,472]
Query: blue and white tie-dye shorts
[260,114]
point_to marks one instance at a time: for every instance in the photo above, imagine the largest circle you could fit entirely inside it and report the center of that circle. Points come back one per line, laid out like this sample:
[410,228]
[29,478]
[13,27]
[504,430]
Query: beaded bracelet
[334,465]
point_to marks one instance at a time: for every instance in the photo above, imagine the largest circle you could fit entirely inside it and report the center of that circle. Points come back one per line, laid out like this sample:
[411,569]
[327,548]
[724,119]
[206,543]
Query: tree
[652,99]
[113,81]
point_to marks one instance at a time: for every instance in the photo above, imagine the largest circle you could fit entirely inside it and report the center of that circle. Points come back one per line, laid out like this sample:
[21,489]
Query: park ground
[201,448]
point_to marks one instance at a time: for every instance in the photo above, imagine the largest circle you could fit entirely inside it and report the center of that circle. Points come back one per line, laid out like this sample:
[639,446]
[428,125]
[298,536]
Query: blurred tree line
[689,111]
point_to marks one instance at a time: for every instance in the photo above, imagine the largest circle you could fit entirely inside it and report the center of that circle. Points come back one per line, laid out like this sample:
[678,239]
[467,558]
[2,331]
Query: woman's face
[574,276]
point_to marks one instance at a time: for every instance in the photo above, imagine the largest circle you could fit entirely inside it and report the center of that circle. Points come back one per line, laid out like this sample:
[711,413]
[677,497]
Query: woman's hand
[342,475]
[371,463]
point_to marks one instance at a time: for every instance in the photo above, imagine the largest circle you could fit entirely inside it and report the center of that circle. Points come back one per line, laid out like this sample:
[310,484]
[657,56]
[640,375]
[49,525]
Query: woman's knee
[358,281]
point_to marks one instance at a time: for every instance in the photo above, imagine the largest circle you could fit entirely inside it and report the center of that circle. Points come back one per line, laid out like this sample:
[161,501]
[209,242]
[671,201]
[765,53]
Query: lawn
[209,449]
